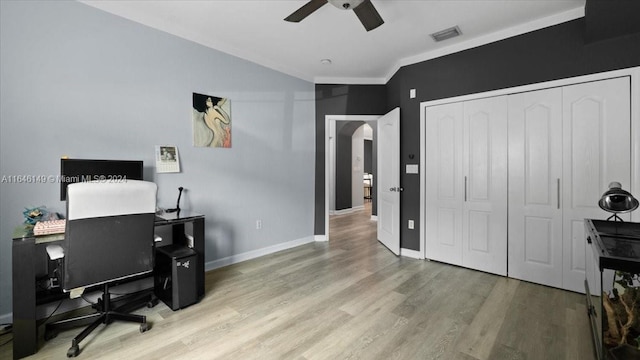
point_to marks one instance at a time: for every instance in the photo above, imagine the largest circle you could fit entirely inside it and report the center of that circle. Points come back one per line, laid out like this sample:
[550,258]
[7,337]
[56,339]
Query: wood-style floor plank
[349,298]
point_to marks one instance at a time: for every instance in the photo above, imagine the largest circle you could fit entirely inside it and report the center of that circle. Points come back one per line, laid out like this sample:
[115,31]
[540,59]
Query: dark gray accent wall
[606,19]
[556,52]
[548,54]
[368,156]
[343,184]
[336,99]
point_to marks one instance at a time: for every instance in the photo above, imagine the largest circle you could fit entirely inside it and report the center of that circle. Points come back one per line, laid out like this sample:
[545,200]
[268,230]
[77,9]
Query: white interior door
[444,186]
[535,172]
[484,212]
[389,180]
[596,151]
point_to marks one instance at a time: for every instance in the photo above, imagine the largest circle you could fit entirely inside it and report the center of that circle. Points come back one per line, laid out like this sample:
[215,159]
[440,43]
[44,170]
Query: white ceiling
[255,30]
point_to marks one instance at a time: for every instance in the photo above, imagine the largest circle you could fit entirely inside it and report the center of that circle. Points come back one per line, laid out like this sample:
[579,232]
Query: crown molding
[490,38]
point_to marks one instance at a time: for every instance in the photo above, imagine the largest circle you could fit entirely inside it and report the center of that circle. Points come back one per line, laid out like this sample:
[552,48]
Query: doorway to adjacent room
[351,167]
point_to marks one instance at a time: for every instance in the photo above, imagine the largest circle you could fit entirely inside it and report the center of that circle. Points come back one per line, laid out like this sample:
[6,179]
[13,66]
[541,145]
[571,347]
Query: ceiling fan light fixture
[346,4]
[446,34]
[364,10]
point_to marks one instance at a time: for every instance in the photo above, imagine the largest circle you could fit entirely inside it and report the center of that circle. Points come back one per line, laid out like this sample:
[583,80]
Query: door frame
[328,119]
[633,73]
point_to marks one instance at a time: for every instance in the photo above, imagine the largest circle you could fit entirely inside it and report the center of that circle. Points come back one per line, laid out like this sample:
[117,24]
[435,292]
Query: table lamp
[617,201]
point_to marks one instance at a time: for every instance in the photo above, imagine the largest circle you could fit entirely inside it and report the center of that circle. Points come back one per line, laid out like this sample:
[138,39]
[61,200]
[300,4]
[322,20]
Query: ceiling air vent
[446,34]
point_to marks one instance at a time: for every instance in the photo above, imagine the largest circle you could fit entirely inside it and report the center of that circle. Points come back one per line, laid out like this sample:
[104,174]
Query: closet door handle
[465,188]
[558,187]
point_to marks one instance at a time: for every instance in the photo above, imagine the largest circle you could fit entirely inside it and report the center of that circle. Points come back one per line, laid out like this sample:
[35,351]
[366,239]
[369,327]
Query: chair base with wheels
[104,315]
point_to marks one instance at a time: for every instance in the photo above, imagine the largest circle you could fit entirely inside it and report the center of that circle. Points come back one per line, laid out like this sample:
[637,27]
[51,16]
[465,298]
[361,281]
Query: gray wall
[80,82]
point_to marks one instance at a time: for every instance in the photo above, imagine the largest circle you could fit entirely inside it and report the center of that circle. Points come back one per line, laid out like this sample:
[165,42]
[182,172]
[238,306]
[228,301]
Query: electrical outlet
[410,224]
[258,224]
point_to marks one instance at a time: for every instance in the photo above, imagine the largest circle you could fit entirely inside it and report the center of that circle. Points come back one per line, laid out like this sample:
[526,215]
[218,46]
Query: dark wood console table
[32,303]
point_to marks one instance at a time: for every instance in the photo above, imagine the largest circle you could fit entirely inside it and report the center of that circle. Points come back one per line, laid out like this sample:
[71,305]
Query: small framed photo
[167,159]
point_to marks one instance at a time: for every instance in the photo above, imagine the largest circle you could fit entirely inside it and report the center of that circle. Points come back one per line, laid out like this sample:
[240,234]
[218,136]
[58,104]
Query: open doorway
[337,127]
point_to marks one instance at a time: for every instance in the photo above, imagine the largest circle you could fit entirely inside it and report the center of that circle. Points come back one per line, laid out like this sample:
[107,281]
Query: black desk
[30,263]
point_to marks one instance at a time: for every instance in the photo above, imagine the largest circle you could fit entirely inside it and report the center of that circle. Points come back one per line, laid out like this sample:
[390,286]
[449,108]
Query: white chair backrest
[103,198]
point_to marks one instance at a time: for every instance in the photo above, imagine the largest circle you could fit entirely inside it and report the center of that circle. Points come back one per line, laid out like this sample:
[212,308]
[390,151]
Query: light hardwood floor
[349,299]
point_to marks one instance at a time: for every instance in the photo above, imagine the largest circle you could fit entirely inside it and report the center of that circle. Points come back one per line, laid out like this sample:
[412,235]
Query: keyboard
[49,227]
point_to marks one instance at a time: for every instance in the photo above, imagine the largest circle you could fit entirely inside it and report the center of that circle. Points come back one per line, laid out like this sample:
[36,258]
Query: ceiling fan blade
[368,15]
[305,10]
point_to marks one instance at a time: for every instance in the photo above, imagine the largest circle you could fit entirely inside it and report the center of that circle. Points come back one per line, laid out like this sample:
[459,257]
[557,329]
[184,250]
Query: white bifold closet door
[535,188]
[565,146]
[466,182]
[596,150]
[444,180]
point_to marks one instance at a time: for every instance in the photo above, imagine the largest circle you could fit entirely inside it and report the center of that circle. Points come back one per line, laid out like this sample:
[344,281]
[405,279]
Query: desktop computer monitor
[81,170]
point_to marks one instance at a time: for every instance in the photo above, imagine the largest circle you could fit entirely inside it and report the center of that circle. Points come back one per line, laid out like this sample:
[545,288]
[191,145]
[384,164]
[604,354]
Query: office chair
[109,237]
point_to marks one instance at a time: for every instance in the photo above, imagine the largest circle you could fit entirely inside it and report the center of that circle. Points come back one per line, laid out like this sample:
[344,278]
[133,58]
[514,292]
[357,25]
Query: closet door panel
[444,183]
[484,238]
[539,247]
[479,225]
[597,151]
[478,165]
[576,256]
[586,164]
[535,169]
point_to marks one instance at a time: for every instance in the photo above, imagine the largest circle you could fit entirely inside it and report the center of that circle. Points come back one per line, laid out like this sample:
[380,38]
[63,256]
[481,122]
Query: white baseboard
[321,238]
[411,254]
[215,264]
[6,318]
[346,211]
[229,260]
[233,259]
[374,217]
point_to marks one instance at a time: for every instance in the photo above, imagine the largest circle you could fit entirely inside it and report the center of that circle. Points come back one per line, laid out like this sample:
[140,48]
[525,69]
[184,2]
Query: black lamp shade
[616,200]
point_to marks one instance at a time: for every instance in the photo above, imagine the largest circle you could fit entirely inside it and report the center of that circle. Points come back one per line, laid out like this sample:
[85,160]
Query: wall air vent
[446,34]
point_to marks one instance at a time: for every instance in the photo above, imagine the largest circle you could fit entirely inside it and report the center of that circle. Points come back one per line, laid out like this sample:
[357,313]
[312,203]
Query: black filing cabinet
[175,276]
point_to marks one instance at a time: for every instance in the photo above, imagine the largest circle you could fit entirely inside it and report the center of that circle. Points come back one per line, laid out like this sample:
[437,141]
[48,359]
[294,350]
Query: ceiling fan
[364,9]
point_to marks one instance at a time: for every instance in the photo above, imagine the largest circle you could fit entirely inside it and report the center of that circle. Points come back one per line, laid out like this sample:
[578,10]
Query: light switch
[412,168]
[412,94]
